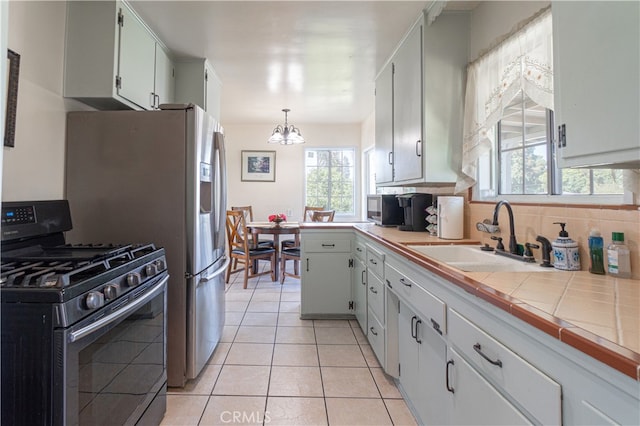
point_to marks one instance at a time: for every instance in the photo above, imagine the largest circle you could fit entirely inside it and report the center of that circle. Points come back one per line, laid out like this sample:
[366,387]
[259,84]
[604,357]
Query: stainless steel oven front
[110,368]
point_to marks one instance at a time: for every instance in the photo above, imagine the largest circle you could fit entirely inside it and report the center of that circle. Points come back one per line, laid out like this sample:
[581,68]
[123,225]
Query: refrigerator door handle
[220,189]
[218,271]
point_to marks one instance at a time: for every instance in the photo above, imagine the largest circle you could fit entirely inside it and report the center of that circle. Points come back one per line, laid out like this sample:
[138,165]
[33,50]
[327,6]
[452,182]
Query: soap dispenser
[565,251]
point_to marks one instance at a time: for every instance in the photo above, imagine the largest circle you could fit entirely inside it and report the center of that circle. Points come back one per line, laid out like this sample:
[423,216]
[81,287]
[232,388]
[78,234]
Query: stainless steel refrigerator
[158,177]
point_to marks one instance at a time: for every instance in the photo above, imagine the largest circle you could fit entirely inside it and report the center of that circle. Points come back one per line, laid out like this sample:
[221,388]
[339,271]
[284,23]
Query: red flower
[279,217]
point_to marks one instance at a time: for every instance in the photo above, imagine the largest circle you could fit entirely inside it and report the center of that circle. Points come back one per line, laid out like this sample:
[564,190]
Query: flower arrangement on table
[277,218]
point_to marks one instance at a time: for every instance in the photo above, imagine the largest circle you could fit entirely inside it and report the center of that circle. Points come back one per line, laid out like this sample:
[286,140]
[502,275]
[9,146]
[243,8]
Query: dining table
[275,229]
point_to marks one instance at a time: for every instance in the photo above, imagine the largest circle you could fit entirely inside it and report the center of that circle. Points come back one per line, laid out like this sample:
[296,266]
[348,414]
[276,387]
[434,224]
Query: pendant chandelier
[286,135]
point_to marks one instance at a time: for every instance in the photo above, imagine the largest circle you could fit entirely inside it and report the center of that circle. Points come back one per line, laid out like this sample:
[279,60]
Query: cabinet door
[165,79]
[326,284]
[359,292]
[408,355]
[474,401]
[407,108]
[384,125]
[596,84]
[422,354]
[136,65]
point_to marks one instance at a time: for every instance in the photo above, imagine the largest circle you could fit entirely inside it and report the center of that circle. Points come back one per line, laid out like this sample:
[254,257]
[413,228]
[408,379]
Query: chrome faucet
[513,244]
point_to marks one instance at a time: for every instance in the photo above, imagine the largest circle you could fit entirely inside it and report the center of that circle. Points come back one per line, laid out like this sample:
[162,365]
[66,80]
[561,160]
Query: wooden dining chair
[306,217]
[248,217]
[243,251]
[308,213]
[292,253]
[323,216]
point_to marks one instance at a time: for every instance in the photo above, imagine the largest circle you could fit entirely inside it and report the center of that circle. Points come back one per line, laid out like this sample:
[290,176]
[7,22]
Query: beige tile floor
[273,368]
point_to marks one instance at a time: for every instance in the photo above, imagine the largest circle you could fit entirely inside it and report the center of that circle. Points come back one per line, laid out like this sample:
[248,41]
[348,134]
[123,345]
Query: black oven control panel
[26,219]
[18,215]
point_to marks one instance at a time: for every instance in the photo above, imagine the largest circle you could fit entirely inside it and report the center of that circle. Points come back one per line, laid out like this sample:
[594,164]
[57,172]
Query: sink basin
[472,259]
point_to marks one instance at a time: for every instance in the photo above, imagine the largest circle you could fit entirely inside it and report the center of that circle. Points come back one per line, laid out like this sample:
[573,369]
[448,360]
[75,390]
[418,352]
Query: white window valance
[522,62]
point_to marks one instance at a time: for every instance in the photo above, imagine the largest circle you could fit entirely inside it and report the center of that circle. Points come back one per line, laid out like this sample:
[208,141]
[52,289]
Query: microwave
[384,210]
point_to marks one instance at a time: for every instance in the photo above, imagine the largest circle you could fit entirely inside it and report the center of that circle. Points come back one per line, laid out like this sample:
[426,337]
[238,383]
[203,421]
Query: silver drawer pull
[373,261]
[328,245]
[373,290]
[478,349]
[373,331]
[408,284]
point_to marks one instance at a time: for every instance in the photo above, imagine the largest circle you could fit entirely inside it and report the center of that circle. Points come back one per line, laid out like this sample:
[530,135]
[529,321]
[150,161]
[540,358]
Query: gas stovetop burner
[68,275]
[66,265]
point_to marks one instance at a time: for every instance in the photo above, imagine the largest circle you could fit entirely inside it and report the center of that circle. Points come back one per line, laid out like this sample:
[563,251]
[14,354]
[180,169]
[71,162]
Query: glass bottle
[618,257]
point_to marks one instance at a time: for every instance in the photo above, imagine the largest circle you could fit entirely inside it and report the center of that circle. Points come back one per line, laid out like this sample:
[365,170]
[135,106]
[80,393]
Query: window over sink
[509,144]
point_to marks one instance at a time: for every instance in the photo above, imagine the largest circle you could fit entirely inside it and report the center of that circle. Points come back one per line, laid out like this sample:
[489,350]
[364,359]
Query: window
[525,158]
[508,146]
[330,179]
[523,147]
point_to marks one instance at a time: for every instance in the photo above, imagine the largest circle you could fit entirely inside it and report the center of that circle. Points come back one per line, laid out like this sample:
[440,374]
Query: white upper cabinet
[596,53]
[419,104]
[164,77]
[384,126]
[197,83]
[407,107]
[112,60]
[137,52]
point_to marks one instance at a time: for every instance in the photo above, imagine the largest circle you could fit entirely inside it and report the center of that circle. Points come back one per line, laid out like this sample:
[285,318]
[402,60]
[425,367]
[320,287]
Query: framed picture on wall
[258,166]
[11,102]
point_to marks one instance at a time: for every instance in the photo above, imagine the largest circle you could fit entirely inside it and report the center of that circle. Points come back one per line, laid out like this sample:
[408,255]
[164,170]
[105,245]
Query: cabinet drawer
[375,261]
[360,250]
[328,245]
[375,296]
[523,382]
[426,304]
[375,333]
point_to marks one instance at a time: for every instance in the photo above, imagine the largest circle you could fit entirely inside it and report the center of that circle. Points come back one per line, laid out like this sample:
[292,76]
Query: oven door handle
[83,332]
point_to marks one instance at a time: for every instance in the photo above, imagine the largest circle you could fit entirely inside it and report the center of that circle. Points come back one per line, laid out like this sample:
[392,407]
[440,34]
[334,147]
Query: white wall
[493,19]
[287,192]
[34,168]
[4,20]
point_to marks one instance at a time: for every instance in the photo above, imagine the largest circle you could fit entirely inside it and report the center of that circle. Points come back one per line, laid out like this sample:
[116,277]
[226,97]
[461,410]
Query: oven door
[111,367]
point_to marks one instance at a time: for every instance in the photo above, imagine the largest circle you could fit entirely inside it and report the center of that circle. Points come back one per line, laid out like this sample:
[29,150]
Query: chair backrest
[323,216]
[237,230]
[247,211]
[308,213]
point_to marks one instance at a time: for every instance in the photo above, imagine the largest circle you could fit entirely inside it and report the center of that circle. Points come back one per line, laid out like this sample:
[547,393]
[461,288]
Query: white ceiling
[318,58]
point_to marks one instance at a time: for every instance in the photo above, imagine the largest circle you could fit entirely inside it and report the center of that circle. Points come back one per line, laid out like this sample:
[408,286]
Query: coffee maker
[415,211]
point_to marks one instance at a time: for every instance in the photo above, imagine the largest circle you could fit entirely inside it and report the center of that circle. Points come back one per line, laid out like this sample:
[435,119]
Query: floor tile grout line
[278,325]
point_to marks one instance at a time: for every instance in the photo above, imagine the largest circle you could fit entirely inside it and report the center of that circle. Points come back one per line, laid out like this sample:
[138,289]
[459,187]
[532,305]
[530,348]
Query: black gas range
[83,325]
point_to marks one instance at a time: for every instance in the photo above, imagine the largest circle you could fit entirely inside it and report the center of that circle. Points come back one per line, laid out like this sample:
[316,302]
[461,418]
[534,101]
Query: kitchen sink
[470,258]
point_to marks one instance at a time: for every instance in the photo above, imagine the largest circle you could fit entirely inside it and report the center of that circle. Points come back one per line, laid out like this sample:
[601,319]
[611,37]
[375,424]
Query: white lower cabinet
[538,395]
[376,336]
[326,274]
[359,292]
[422,364]
[473,400]
[457,359]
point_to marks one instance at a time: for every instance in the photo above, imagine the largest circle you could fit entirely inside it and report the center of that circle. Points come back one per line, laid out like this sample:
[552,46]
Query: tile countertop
[596,314]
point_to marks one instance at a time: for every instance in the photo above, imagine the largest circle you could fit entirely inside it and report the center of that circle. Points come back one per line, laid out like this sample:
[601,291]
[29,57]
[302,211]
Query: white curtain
[523,61]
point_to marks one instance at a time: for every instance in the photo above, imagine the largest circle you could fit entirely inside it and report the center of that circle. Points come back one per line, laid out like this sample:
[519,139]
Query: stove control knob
[110,291]
[94,300]
[133,279]
[160,265]
[150,270]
